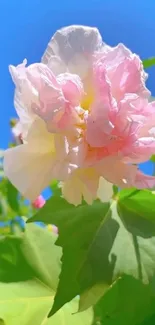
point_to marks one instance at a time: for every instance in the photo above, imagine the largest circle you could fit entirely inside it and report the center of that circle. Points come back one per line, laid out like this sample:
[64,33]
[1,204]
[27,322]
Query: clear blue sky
[27,25]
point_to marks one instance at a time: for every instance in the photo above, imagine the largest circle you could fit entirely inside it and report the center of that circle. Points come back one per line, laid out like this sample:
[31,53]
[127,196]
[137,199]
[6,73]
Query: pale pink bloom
[118,122]
[39,202]
[55,99]
[124,71]
[85,117]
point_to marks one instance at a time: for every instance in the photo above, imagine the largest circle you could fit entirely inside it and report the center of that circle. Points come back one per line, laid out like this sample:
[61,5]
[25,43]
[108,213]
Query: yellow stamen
[87,100]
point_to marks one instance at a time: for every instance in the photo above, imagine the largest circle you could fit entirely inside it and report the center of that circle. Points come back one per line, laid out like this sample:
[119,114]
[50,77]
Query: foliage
[148,63]
[29,271]
[108,240]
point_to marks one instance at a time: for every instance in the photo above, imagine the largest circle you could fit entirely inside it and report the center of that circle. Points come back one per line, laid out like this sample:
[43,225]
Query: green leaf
[39,250]
[13,266]
[4,207]
[2,322]
[69,219]
[137,203]
[102,242]
[91,296]
[1,173]
[153,158]
[28,302]
[127,302]
[12,196]
[148,63]
[56,190]
[149,320]
[115,190]
[55,206]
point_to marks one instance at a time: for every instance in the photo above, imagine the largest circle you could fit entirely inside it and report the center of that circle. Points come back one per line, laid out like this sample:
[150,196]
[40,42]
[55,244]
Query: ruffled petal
[140,151]
[128,77]
[74,47]
[72,88]
[116,172]
[143,181]
[24,92]
[125,72]
[103,110]
[41,93]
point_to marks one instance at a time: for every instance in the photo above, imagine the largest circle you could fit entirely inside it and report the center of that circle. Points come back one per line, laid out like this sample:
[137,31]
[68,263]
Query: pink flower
[120,114]
[54,99]
[85,116]
[39,202]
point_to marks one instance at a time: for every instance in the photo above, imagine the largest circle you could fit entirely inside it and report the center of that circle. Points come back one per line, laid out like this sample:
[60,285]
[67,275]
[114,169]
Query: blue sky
[27,25]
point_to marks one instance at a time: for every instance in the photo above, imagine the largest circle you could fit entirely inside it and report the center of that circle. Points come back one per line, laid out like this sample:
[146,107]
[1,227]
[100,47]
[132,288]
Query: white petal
[41,140]
[90,180]
[56,65]
[72,46]
[30,166]
[28,170]
[24,112]
[83,183]
[71,191]
[105,190]
[33,165]
[26,117]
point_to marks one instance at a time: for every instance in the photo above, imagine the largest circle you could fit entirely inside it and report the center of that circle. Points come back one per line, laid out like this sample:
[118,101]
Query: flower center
[88,98]
[86,102]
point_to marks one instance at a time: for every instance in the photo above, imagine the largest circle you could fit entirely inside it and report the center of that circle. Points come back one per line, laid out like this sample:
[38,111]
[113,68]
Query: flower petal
[144,181]
[125,71]
[128,77]
[22,107]
[71,191]
[113,55]
[72,88]
[74,46]
[116,172]
[43,142]
[83,183]
[105,190]
[28,170]
[103,111]
[40,139]
[40,93]
[140,151]
[39,202]
[32,166]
